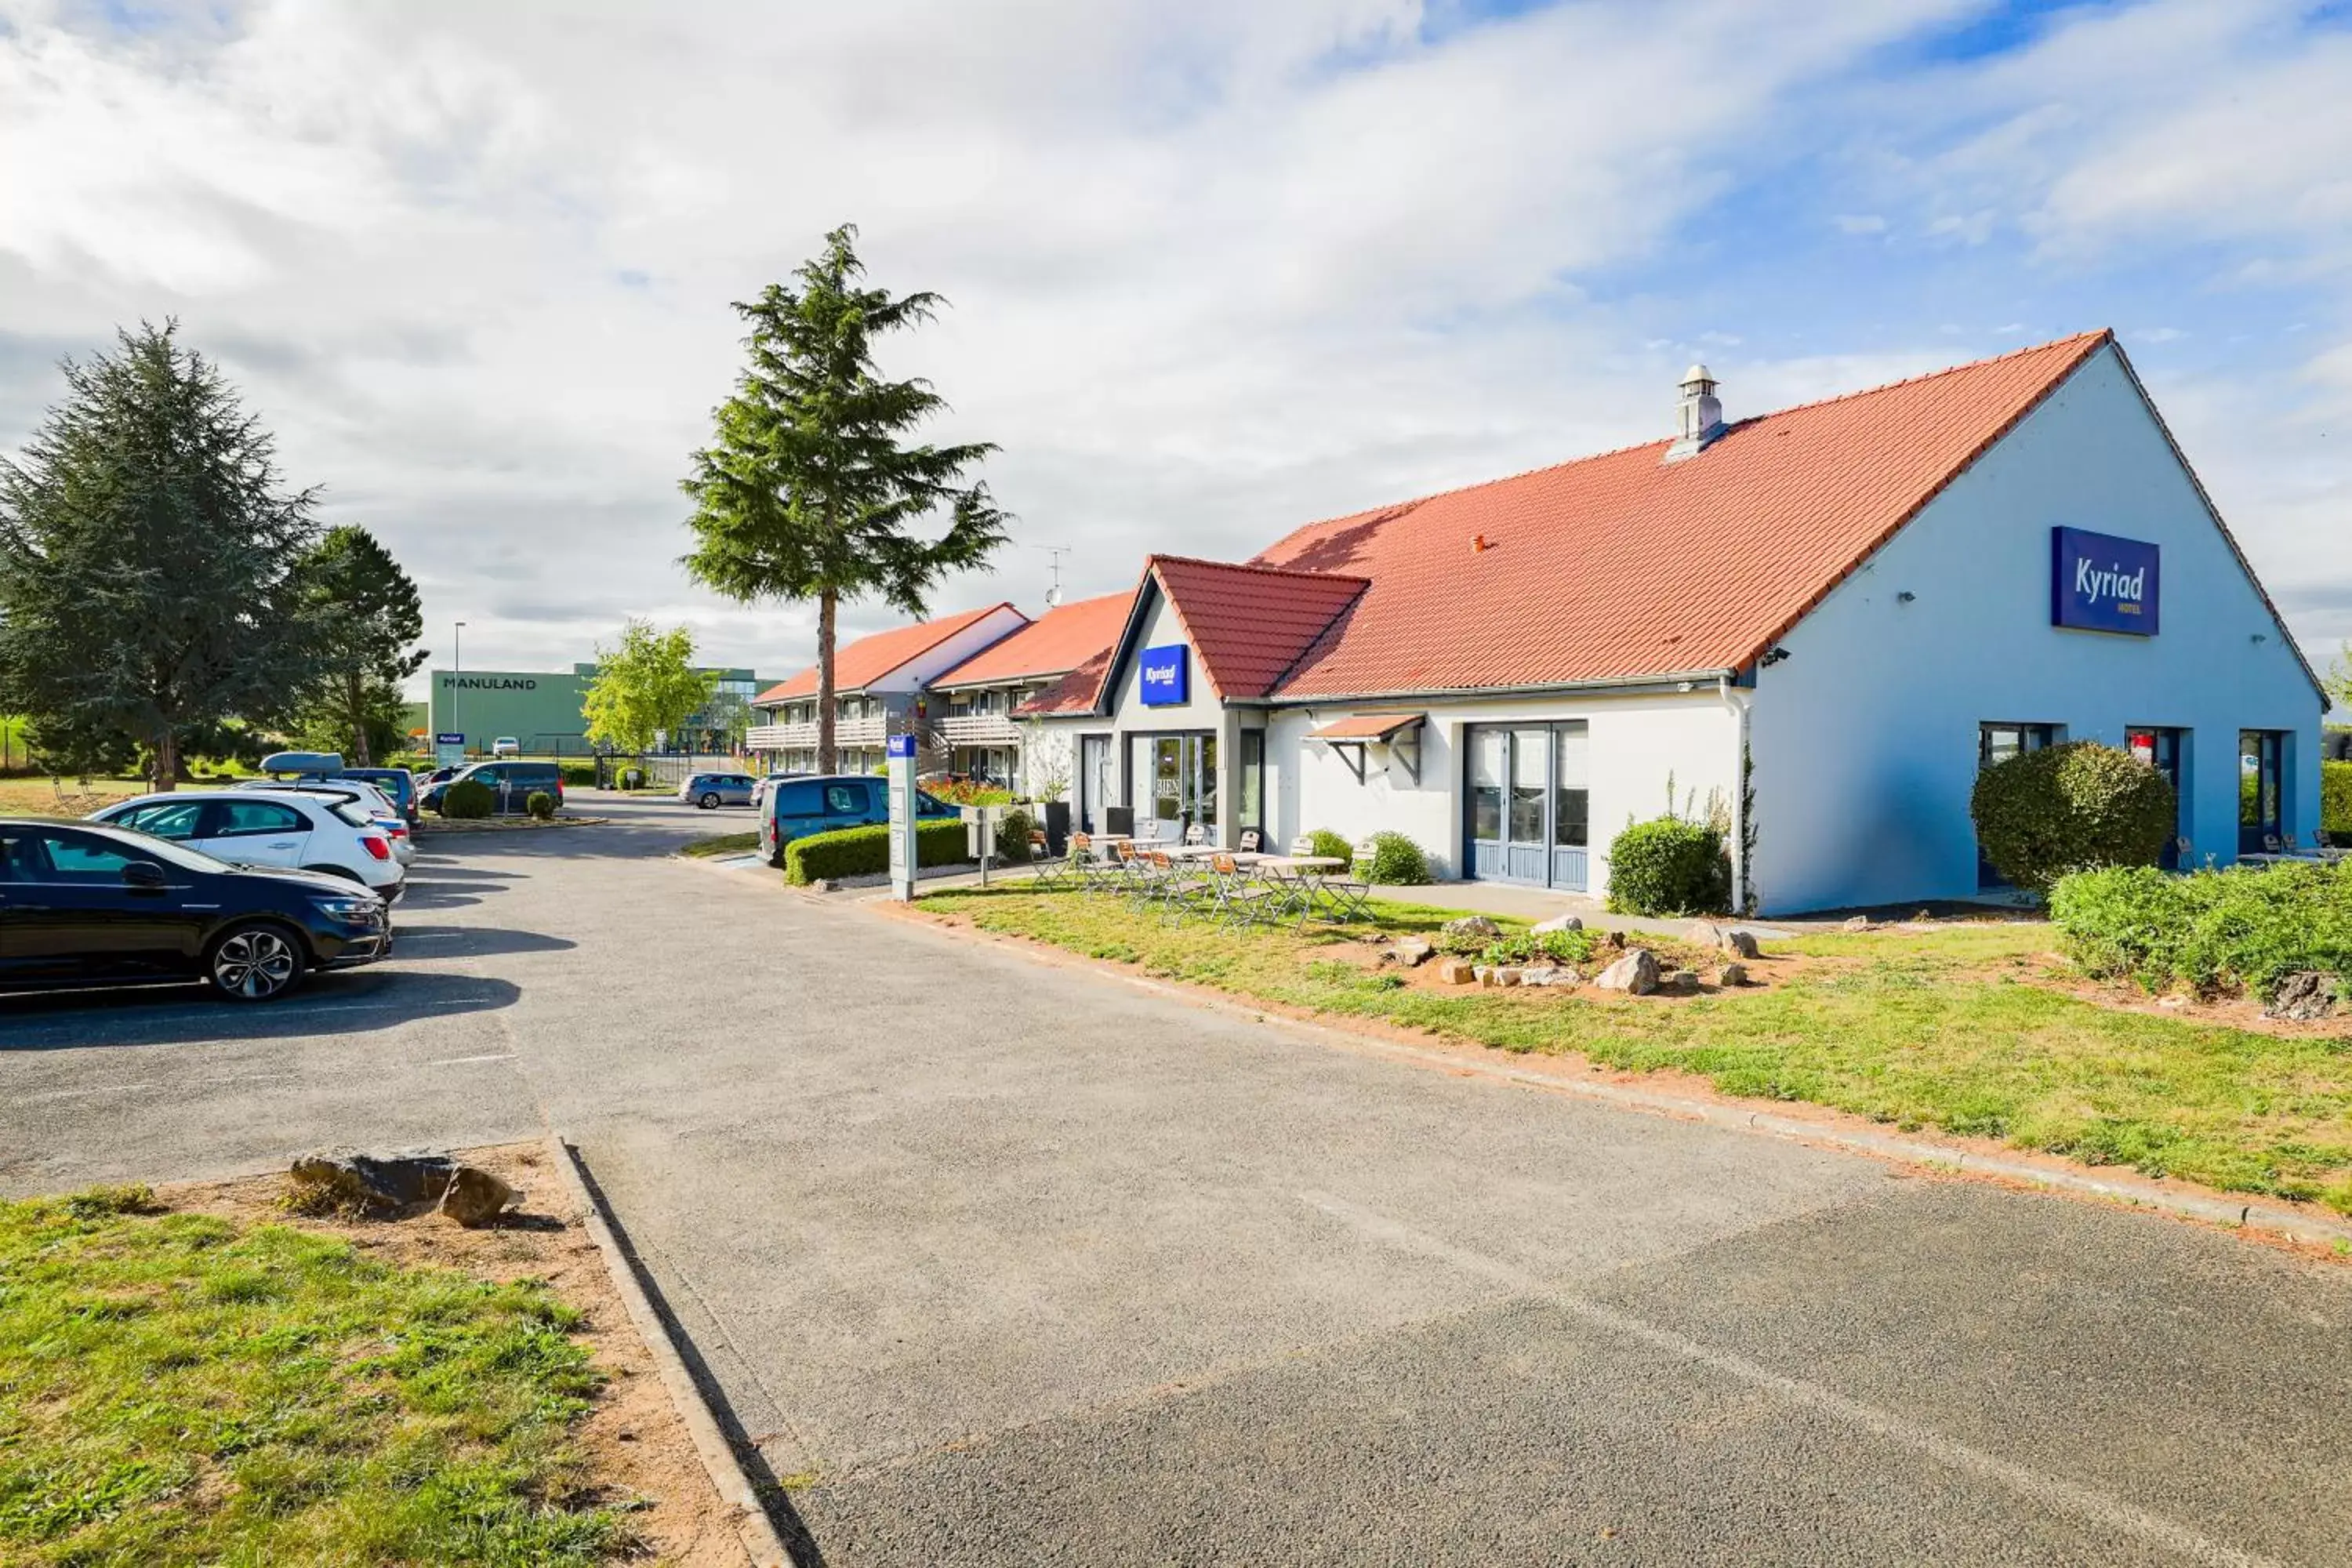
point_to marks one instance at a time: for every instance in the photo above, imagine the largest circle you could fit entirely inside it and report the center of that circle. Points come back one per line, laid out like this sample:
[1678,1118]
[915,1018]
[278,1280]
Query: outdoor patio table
[1304,876]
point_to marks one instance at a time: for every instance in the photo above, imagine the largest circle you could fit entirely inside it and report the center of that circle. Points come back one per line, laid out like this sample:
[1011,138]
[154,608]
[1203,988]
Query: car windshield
[162,850]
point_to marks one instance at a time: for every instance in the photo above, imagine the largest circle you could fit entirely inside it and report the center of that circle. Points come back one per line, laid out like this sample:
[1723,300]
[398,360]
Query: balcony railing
[803,735]
[979,730]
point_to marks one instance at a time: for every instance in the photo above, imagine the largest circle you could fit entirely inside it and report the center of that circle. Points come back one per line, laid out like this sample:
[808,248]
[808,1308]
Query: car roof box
[302,762]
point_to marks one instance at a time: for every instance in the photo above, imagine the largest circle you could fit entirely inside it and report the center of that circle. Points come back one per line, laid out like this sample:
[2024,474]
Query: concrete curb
[2135,1192]
[735,1488]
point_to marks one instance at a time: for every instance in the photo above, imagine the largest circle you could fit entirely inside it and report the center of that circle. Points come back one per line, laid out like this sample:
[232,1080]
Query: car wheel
[709,803]
[253,963]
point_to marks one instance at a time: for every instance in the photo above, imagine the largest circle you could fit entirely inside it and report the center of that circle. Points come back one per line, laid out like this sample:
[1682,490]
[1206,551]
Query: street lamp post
[457,658]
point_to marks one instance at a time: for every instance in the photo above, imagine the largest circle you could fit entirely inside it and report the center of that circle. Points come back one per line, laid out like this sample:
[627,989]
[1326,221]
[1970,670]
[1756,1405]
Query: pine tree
[150,556]
[807,490]
[372,619]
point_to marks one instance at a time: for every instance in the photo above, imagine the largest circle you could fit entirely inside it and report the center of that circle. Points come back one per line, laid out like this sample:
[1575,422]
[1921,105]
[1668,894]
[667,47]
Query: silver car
[712,791]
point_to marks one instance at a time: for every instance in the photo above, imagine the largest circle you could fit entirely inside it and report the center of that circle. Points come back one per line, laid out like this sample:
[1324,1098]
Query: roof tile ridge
[1400,506]
[1264,569]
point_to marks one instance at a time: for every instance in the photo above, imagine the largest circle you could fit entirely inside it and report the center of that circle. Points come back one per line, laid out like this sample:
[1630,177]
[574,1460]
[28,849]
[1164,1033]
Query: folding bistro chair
[1239,897]
[1253,841]
[1051,872]
[1350,890]
[1195,833]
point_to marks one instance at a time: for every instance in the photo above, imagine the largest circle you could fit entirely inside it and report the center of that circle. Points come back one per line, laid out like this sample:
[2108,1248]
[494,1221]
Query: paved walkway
[1000,1262]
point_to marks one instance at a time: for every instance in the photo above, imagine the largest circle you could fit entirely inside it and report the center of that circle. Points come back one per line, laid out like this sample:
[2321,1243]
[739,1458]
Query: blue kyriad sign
[2099,583]
[1165,675]
[902,745]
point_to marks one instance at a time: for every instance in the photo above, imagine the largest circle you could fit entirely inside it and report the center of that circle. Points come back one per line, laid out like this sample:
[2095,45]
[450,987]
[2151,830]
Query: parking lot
[999,1261]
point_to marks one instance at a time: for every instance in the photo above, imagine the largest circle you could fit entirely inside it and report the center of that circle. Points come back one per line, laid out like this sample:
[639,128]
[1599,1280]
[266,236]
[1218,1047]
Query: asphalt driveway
[996,1262]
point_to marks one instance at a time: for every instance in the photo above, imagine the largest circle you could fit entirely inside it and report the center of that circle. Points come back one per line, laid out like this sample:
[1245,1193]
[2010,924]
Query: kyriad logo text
[2099,583]
[1162,673]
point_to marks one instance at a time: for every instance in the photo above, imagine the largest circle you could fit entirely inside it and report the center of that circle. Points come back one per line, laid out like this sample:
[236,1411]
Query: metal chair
[1195,833]
[1239,898]
[1252,840]
[1051,872]
[1347,894]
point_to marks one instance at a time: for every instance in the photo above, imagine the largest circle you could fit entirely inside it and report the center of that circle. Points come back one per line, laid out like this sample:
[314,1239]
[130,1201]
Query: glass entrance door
[1528,804]
[2262,815]
[1176,777]
[1098,787]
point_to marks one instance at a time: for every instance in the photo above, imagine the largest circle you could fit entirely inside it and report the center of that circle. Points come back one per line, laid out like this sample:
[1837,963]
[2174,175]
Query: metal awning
[1400,732]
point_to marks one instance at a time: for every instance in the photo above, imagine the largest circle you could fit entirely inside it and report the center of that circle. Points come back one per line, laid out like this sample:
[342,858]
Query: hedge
[2335,801]
[1669,867]
[2236,930]
[2072,807]
[865,851]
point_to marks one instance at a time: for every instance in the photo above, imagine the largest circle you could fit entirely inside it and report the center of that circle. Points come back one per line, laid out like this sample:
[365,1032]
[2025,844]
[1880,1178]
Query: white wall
[920,671]
[1636,741]
[1866,737]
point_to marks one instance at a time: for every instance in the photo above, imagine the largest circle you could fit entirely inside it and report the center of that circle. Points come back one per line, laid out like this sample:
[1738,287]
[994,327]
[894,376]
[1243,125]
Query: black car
[87,904]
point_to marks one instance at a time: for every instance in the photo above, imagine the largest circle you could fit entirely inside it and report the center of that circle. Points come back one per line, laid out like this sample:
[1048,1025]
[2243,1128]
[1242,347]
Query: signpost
[449,749]
[904,860]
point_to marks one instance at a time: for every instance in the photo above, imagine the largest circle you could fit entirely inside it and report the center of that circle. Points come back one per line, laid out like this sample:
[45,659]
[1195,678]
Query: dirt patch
[635,1444]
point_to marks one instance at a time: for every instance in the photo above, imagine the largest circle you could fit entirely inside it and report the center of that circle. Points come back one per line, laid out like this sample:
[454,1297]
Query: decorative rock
[1409,950]
[1551,975]
[1859,922]
[1617,940]
[1683,980]
[1468,931]
[1454,971]
[1506,975]
[1636,974]
[1742,942]
[2172,1001]
[1706,933]
[359,1179]
[475,1198]
[2302,996]
[1484,974]
[1557,922]
[1731,974]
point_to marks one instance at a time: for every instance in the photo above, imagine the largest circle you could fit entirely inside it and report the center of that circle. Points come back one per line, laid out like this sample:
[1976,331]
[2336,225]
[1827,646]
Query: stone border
[2135,1192]
[735,1486]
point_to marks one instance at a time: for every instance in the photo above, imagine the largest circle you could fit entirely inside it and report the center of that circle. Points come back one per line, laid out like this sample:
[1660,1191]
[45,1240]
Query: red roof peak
[867,659]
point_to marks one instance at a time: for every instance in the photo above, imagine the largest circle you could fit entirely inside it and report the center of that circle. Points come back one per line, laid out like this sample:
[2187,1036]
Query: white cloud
[1214,268]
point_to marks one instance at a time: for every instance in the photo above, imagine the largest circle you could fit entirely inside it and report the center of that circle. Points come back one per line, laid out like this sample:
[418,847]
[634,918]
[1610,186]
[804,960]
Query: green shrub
[540,805]
[1669,867]
[968,791]
[579,775]
[865,851]
[1553,946]
[2237,930]
[1013,831]
[2075,808]
[2335,801]
[1329,843]
[467,800]
[1397,862]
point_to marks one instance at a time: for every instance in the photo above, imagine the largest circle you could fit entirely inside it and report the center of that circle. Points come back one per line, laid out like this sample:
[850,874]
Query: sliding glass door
[1174,779]
[1530,803]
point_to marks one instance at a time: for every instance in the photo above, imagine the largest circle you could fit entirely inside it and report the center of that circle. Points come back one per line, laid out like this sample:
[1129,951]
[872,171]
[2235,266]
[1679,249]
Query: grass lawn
[1945,1029]
[180,1389]
[721,844]
[38,797]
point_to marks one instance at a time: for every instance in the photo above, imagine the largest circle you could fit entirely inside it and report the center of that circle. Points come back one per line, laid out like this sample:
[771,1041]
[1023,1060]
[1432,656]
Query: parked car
[82,904]
[511,784]
[285,828]
[799,806]
[379,808]
[712,791]
[506,746]
[398,785]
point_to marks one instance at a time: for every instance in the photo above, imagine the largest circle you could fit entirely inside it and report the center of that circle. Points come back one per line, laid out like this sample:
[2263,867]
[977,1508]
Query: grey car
[712,791]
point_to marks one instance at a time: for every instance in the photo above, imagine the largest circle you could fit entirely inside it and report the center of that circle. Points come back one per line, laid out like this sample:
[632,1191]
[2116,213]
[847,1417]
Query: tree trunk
[826,757]
[355,692]
[167,762]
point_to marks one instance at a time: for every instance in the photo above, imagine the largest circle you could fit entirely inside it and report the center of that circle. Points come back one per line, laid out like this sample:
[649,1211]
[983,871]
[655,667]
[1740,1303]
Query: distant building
[543,710]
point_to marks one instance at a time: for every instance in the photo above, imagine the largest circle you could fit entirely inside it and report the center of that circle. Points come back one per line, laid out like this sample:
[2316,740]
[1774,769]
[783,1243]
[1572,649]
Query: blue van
[796,808]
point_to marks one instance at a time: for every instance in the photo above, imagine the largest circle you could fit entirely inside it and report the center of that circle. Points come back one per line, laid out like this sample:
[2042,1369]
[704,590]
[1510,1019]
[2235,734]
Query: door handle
[283,843]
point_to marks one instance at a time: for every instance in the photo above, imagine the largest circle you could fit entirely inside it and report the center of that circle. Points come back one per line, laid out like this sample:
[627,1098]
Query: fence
[666,768]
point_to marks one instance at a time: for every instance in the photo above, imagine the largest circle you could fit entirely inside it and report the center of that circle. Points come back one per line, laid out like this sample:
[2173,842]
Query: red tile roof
[1623,566]
[1248,624]
[1054,644]
[859,664]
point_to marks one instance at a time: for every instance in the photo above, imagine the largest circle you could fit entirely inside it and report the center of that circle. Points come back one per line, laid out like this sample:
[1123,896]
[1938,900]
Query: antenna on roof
[1054,591]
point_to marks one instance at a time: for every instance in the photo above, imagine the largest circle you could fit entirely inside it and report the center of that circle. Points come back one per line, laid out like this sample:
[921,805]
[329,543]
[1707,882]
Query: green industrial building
[541,708]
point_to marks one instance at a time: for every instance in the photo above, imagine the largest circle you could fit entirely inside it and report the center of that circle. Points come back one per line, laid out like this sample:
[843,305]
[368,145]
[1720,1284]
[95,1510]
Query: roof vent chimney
[1700,415]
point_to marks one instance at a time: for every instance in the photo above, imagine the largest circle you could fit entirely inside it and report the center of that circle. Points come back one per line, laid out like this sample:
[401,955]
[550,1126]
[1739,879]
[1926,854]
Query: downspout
[1737,703]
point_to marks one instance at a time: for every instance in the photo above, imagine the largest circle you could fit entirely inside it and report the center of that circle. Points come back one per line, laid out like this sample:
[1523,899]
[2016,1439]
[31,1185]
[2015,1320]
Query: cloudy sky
[1215,268]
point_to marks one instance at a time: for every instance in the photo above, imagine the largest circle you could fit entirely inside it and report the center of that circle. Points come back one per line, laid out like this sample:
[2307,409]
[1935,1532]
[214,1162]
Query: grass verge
[179,1389]
[1941,1030]
[721,844]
